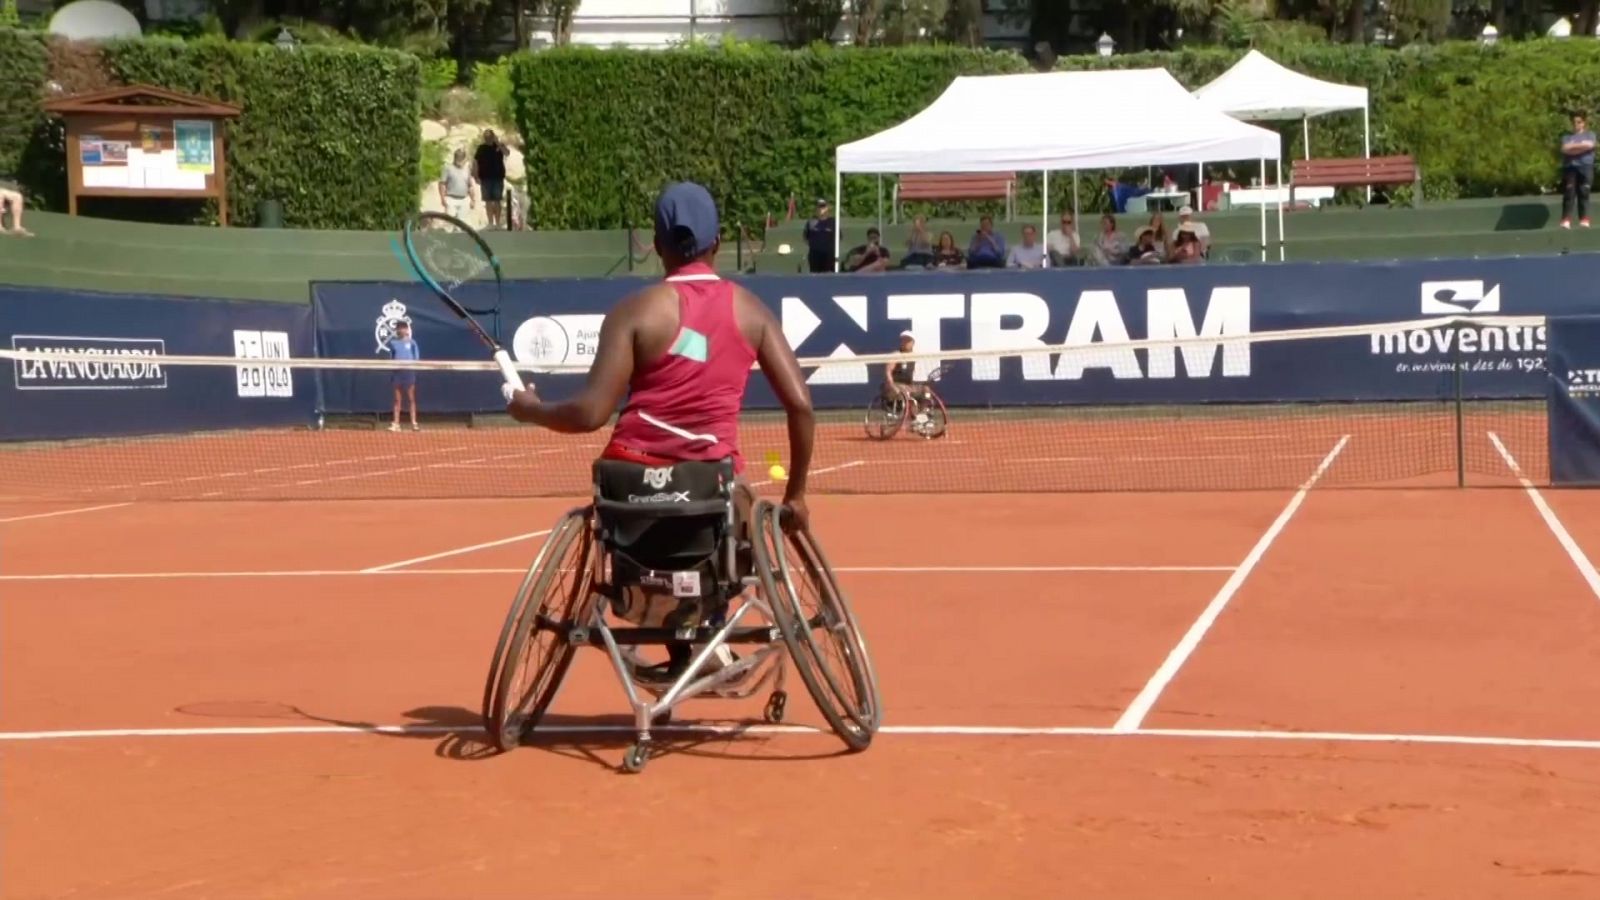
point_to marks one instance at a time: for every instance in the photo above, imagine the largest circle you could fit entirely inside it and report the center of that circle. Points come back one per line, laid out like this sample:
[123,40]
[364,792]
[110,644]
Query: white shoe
[394,426]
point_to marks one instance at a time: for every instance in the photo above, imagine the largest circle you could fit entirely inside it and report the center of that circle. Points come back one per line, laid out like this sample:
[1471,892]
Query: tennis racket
[446,253]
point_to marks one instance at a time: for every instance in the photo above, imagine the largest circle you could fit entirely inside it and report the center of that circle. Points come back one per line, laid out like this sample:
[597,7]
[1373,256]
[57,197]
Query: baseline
[348,573]
[1355,737]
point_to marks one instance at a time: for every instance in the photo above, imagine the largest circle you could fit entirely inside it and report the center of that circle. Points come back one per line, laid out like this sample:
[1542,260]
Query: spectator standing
[404,347]
[988,249]
[947,255]
[489,166]
[11,201]
[819,238]
[1063,243]
[455,186]
[919,246]
[1577,172]
[1121,192]
[1027,255]
[869,257]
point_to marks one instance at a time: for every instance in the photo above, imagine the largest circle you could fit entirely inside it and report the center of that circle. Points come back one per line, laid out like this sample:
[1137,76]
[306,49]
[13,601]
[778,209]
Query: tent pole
[1044,232]
[838,212]
[1076,224]
[1263,182]
[1305,124]
[1277,166]
[880,202]
[1366,138]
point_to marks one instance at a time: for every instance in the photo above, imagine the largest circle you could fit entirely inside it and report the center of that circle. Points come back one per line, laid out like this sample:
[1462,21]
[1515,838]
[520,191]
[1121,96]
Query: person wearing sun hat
[1186,221]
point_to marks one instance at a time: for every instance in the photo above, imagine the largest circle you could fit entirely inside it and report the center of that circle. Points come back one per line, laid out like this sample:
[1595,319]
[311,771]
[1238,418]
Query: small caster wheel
[635,758]
[775,705]
[662,718]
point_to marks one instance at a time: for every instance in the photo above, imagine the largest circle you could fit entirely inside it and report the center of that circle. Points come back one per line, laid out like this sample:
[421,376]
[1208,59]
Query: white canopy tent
[1059,121]
[1257,89]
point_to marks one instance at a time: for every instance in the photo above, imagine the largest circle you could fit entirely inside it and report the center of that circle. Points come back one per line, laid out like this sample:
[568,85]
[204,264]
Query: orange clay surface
[1398,612]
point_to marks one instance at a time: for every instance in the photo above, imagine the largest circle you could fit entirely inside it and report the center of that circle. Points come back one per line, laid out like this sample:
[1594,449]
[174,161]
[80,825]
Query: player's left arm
[608,381]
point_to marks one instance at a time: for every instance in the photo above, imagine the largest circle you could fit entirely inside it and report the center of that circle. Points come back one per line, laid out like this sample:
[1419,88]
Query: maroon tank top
[685,405]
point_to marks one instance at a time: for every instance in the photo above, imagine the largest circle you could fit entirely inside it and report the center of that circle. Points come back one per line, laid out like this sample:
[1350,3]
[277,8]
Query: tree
[963,22]
[808,21]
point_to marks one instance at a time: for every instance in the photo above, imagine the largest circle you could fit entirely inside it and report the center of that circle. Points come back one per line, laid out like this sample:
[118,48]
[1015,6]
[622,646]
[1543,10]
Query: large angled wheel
[818,626]
[533,654]
[884,417]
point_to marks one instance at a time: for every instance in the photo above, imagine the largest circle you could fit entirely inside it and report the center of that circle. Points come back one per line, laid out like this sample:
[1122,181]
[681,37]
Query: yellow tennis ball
[777,473]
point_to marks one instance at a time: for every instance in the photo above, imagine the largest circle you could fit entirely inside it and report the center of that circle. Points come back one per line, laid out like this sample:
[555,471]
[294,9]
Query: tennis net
[1432,403]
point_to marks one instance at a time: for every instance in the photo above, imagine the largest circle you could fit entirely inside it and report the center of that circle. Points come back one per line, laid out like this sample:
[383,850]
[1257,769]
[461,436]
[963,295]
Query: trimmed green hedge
[604,128]
[24,69]
[330,132]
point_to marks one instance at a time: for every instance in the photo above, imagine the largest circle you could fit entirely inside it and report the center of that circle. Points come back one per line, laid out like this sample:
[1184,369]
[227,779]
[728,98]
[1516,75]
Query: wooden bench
[1379,171]
[964,186]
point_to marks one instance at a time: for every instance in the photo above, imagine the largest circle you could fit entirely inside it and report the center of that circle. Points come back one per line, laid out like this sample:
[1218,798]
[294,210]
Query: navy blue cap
[686,219]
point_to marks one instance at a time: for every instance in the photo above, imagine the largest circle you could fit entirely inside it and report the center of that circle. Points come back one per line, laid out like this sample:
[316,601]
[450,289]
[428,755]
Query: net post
[1461,444]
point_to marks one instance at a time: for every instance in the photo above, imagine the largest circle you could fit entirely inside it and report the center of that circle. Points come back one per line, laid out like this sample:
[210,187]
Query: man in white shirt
[1063,243]
[1027,255]
[1186,220]
[455,187]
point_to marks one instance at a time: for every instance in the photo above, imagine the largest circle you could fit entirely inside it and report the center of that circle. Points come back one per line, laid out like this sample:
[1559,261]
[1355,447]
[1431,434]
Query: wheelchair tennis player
[682,350]
[899,379]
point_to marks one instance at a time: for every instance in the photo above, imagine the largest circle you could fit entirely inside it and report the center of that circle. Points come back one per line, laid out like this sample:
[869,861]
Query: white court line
[456,552]
[1134,715]
[65,512]
[1579,558]
[763,729]
[347,573]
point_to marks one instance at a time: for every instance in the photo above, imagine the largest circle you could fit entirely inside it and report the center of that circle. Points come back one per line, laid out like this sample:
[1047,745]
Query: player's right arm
[782,370]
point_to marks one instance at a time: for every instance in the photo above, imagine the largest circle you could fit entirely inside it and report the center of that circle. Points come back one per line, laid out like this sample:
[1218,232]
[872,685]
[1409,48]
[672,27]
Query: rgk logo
[658,478]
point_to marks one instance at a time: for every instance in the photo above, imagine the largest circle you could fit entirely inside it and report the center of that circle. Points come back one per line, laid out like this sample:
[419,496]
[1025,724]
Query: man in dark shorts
[681,352]
[819,237]
[489,167]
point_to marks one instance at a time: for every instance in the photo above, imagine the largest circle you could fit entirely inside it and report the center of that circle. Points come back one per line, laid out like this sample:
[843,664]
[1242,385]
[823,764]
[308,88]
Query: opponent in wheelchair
[904,402]
[681,558]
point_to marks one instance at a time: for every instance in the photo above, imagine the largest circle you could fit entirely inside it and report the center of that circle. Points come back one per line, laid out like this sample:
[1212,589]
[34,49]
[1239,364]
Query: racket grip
[509,372]
[513,379]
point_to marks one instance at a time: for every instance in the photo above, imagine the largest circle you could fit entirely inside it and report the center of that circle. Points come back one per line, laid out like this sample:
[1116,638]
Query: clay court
[1315,691]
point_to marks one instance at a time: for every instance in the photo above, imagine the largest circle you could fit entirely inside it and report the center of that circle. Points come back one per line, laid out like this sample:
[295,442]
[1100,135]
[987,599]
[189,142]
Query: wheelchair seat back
[665,525]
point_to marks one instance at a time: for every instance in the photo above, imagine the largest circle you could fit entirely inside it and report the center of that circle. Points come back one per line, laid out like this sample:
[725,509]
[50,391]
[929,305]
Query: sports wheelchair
[665,550]
[922,412]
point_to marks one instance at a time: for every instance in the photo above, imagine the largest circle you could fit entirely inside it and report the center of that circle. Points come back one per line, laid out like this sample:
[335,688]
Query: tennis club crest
[394,312]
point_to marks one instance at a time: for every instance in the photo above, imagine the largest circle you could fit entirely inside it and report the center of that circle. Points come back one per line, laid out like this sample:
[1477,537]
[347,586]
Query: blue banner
[124,391]
[1574,401]
[839,317]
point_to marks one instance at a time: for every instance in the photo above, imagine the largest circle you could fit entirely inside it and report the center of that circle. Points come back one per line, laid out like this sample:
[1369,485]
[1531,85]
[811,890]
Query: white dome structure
[94,20]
